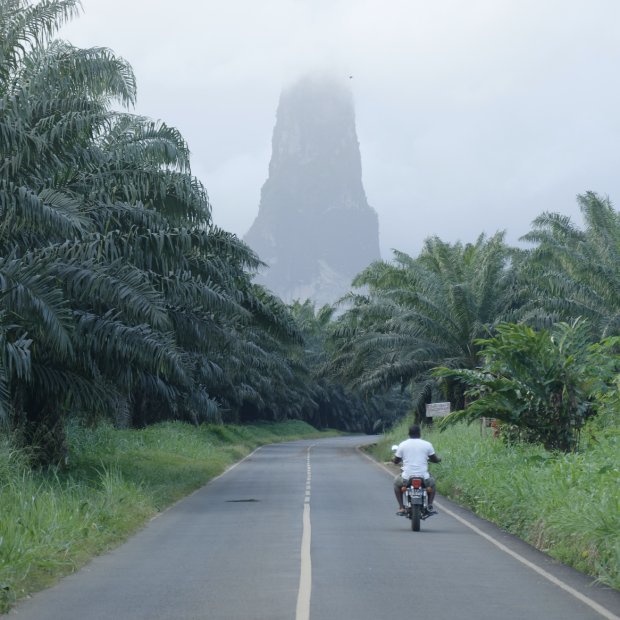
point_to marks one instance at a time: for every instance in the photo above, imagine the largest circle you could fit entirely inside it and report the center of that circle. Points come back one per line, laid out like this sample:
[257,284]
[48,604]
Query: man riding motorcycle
[414,453]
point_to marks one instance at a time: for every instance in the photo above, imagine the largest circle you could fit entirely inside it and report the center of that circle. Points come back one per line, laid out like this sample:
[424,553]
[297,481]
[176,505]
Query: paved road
[212,558]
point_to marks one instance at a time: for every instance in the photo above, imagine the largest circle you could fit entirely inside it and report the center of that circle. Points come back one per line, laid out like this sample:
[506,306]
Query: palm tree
[422,313]
[575,272]
[335,406]
[118,293]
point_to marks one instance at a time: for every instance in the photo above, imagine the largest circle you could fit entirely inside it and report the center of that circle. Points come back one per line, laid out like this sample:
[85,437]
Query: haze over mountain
[471,116]
[314,228]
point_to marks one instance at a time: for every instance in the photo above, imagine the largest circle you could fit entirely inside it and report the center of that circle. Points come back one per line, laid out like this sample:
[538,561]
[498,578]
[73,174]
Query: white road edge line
[234,465]
[305,577]
[584,599]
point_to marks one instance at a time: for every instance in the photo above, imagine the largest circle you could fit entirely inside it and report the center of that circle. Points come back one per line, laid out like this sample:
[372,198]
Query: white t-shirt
[415,453]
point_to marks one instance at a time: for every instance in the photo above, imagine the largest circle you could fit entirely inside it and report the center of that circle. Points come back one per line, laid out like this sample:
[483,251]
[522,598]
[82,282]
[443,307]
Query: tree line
[495,330]
[119,296]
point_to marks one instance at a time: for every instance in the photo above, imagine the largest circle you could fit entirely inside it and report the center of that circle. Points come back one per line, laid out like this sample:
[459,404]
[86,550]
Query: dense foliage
[456,307]
[576,273]
[119,296]
[421,313]
[542,383]
[337,407]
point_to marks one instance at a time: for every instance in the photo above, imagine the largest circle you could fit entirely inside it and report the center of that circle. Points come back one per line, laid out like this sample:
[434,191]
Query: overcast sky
[472,115]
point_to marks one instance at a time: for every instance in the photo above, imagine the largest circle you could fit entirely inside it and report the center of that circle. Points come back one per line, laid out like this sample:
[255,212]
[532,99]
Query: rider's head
[414,431]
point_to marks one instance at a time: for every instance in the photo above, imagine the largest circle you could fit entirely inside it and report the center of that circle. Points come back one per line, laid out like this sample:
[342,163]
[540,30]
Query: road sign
[437,410]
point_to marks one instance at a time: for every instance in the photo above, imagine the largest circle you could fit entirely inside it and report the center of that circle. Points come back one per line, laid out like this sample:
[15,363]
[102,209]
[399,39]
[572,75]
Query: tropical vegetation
[575,272]
[336,406]
[421,313]
[498,332]
[119,297]
[542,383]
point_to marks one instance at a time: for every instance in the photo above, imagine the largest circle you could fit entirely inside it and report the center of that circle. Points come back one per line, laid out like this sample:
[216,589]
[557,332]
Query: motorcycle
[416,500]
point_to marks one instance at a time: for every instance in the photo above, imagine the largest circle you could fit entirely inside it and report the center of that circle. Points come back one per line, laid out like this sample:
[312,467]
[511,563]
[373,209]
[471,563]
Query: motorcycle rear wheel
[415,517]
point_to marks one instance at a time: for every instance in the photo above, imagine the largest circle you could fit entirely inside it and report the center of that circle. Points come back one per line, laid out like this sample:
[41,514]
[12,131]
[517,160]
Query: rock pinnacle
[314,226]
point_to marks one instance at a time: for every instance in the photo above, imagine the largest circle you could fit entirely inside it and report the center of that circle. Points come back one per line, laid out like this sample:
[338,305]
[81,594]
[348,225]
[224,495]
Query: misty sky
[471,115]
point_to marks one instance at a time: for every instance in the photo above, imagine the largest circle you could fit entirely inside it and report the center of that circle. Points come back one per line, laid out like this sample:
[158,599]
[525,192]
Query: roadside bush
[542,383]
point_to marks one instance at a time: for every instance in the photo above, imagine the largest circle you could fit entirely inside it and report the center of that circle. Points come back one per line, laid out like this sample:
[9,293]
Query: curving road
[321,542]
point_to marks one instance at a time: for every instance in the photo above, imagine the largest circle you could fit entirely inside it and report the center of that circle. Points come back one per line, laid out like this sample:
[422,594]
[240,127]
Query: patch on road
[243,500]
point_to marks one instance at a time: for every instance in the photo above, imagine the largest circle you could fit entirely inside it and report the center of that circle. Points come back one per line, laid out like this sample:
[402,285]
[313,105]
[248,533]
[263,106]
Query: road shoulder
[607,598]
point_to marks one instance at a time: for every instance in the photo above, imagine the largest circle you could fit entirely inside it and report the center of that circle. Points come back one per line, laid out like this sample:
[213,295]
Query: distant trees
[421,313]
[337,407]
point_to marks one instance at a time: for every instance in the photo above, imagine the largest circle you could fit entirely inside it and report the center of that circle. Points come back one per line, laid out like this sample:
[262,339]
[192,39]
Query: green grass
[567,505]
[52,522]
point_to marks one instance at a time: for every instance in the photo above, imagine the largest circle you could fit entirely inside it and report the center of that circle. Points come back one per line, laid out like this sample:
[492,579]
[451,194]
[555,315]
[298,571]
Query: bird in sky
[350,76]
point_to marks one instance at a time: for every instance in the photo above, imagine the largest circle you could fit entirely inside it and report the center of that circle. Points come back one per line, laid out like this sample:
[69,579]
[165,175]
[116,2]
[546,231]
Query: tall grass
[47,525]
[568,505]
[53,521]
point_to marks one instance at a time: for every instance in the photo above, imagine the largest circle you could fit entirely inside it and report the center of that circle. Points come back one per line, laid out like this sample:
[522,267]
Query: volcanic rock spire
[314,226]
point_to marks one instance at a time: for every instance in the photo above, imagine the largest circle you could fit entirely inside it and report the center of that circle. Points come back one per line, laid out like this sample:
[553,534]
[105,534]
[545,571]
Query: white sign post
[437,410]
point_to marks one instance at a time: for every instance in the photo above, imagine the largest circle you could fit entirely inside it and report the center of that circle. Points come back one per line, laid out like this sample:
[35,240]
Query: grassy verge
[55,521]
[567,505]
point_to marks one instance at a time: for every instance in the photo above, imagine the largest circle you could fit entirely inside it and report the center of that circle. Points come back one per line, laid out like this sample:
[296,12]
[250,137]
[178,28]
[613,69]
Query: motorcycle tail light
[416,484]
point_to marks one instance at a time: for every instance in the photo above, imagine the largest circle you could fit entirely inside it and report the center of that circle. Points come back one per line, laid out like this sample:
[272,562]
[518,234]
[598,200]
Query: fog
[471,115]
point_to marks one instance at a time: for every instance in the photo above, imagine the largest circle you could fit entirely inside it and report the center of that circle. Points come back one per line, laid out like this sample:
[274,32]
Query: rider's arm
[433,458]
[396,460]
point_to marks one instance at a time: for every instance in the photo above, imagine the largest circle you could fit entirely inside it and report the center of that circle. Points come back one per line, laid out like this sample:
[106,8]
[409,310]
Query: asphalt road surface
[321,542]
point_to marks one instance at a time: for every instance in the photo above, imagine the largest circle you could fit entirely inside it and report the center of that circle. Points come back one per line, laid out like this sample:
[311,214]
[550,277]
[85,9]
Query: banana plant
[543,383]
